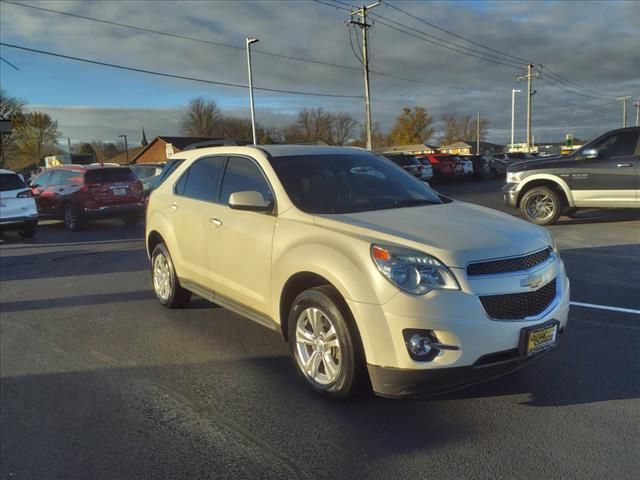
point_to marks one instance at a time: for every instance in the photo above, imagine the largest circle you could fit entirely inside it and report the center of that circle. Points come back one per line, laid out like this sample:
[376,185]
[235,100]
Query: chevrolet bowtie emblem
[532,281]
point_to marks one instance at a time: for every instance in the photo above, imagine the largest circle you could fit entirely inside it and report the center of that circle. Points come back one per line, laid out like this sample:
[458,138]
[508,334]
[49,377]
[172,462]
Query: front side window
[242,175]
[200,181]
[617,145]
[357,182]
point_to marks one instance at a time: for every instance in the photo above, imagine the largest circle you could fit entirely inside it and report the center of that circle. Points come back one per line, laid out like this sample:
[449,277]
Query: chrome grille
[517,306]
[506,265]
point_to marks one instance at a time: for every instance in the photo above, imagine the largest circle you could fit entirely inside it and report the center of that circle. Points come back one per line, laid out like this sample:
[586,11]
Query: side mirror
[590,153]
[250,200]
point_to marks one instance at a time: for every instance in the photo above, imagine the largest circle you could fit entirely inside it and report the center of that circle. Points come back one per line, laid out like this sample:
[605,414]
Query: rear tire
[71,218]
[28,231]
[541,205]
[325,344]
[165,282]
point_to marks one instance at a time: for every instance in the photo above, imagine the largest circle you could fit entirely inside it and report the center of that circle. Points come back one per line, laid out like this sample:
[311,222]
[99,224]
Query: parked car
[77,193]
[412,165]
[463,167]
[146,173]
[486,166]
[514,157]
[18,209]
[497,168]
[444,167]
[365,271]
[604,173]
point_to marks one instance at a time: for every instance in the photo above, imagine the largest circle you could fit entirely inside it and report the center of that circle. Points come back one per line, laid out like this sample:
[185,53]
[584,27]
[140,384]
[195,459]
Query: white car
[18,210]
[370,275]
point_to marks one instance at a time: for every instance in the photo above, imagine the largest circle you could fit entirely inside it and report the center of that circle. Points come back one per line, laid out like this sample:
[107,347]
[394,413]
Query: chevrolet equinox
[369,274]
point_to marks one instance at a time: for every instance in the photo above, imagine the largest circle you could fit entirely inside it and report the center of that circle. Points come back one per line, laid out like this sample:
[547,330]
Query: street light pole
[513,113]
[126,148]
[251,40]
[637,105]
[624,100]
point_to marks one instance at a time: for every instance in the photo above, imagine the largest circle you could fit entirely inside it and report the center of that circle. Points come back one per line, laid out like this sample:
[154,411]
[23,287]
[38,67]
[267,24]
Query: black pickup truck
[604,173]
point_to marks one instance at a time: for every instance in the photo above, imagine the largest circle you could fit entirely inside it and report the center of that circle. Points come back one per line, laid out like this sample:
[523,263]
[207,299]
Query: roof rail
[210,143]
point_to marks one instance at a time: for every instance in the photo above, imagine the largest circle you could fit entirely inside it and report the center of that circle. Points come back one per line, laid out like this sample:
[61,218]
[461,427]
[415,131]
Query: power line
[432,38]
[171,75]
[519,59]
[9,63]
[235,47]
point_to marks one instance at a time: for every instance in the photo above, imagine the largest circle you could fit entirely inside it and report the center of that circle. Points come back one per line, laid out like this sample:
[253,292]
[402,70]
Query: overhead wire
[171,75]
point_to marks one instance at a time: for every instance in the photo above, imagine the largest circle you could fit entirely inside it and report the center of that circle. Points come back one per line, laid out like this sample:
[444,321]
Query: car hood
[456,233]
[536,163]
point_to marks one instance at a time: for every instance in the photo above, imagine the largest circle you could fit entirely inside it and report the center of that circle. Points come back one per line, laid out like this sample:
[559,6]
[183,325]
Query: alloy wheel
[318,349]
[540,206]
[162,282]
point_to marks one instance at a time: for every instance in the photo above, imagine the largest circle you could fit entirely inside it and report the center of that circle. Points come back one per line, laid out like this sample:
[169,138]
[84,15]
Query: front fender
[551,178]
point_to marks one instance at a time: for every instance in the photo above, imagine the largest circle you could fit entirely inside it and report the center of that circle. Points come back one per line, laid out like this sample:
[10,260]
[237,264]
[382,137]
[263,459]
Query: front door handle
[174,207]
[216,221]
[620,165]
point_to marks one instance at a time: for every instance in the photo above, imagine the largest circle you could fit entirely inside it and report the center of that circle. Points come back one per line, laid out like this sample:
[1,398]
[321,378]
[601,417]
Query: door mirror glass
[590,153]
[249,200]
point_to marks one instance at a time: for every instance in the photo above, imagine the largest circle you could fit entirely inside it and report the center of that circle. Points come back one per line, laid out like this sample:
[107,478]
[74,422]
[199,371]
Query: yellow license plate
[541,339]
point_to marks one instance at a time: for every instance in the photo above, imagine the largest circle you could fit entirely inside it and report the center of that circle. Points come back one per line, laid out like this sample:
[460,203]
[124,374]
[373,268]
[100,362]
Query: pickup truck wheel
[166,285]
[71,219]
[324,344]
[541,205]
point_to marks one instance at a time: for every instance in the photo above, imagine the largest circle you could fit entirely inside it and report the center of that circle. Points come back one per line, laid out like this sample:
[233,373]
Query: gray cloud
[594,44]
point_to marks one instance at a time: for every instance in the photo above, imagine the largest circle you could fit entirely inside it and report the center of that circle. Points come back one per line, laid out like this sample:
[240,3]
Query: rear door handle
[625,165]
[174,207]
[216,221]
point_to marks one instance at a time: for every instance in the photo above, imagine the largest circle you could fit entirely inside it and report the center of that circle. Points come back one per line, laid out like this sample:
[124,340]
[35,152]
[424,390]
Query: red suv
[444,166]
[76,193]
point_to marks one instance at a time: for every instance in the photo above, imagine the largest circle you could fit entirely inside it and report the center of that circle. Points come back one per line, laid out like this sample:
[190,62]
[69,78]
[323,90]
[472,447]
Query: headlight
[552,243]
[411,271]
[513,177]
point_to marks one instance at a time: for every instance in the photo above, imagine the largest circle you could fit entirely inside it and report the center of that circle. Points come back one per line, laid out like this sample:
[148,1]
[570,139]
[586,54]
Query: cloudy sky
[593,46]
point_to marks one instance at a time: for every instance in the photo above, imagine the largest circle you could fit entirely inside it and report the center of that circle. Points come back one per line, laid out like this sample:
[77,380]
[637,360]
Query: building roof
[472,143]
[178,143]
[121,158]
[408,148]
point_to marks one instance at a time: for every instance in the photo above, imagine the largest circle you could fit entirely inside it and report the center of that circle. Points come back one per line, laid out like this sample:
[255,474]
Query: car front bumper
[483,347]
[510,195]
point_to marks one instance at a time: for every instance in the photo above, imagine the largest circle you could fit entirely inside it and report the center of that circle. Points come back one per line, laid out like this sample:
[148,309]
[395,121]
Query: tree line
[35,134]
[203,118]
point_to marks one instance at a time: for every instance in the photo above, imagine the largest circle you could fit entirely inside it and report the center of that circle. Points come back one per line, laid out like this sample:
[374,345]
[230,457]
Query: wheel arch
[547,180]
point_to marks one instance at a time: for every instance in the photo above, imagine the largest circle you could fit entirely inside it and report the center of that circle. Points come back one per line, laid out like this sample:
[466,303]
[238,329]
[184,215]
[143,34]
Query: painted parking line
[606,307]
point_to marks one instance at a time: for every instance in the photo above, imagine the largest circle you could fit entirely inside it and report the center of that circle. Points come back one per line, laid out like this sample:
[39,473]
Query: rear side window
[10,181]
[109,175]
[200,181]
[42,180]
[241,175]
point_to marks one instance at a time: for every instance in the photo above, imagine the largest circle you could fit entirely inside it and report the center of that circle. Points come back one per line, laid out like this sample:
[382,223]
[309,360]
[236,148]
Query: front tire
[325,344]
[165,282]
[541,205]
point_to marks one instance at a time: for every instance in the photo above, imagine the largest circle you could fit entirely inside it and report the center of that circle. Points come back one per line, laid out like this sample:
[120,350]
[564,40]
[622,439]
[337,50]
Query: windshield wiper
[413,202]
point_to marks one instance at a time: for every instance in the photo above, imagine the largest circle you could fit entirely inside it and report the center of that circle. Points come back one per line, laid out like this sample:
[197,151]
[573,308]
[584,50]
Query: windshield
[349,183]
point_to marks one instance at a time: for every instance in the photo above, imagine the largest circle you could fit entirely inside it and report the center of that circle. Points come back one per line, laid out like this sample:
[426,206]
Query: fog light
[419,345]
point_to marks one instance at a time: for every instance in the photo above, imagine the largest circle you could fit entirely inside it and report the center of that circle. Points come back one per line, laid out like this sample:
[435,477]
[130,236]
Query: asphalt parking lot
[98,381]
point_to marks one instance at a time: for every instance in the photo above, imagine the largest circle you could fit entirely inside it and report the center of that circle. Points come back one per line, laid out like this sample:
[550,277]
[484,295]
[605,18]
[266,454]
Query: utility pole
[624,100]
[531,72]
[126,148]
[637,105]
[513,113]
[478,135]
[362,13]
[251,40]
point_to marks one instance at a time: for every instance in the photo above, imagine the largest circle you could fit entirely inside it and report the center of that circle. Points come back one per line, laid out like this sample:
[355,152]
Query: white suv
[18,210]
[368,273]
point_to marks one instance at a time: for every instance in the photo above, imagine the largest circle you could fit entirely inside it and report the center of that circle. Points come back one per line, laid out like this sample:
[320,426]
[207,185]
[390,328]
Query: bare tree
[11,108]
[412,126]
[343,126]
[462,128]
[202,118]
